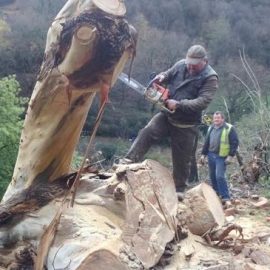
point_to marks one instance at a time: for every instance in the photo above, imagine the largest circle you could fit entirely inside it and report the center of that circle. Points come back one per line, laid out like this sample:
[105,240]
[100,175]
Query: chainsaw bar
[152,94]
[139,88]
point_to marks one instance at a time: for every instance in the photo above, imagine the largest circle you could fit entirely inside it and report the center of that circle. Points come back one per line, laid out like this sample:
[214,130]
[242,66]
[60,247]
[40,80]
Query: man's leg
[156,129]
[193,176]
[212,171]
[182,142]
[221,178]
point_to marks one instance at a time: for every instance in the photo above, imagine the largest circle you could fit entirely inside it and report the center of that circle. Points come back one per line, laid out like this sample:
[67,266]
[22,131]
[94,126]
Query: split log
[87,47]
[206,209]
[261,203]
[152,207]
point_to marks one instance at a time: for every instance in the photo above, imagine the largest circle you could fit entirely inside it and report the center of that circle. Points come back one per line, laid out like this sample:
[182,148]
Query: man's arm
[206,95]
[205,147]
[167,75]
[233,141]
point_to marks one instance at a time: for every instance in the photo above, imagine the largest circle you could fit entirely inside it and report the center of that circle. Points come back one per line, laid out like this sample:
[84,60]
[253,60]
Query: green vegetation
[11,110]
[109,150]
[76,161]
[105,151]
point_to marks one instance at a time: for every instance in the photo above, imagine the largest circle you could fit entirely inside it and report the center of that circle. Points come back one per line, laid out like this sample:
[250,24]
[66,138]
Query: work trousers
[217,169]
[182,142]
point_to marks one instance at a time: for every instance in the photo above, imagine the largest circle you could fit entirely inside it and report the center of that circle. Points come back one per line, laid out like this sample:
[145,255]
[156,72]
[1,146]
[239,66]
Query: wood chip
[230,211]
[263,202]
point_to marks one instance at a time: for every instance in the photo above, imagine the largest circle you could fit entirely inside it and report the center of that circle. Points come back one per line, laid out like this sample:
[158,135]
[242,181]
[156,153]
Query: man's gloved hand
[159,78]
[172,104]
[229,160]
[202,160]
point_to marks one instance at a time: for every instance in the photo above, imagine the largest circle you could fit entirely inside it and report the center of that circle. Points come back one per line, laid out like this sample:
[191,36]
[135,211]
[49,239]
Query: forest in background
[166,30]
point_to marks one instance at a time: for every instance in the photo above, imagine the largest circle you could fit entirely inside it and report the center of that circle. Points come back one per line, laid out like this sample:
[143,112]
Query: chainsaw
[154,92]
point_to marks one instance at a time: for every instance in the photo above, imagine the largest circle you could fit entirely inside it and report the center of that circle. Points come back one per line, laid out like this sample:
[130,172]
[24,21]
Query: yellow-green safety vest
[224,147]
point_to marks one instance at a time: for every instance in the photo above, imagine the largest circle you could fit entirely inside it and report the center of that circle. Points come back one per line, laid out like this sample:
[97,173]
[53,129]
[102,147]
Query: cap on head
[195,54]
[114,7]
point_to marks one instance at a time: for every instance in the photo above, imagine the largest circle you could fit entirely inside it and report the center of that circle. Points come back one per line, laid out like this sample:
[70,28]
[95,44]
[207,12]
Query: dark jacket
[233,141]
[194,93]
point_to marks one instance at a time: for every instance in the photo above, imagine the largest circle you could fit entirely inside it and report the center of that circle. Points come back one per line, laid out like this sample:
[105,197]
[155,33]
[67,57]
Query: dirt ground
[250,212]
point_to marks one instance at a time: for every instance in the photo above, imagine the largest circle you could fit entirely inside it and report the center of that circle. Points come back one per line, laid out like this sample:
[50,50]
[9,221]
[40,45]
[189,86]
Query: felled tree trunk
[117,223]
[125,219]
[85,52]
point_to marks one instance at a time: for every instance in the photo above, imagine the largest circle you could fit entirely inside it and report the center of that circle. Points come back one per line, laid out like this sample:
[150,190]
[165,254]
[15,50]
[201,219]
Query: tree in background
[11,109]
[24,26]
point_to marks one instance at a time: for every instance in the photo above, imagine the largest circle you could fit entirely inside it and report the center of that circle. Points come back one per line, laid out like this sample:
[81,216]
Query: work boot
[226,203]
[180,193]
[181,188]
[180,196]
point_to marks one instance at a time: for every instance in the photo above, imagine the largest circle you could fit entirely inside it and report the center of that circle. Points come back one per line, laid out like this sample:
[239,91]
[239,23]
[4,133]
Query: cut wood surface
[140,225]
[206,208]
[151,209]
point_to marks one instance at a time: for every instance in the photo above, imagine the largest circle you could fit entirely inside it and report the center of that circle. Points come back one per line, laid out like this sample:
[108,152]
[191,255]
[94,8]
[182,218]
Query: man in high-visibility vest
[220,147]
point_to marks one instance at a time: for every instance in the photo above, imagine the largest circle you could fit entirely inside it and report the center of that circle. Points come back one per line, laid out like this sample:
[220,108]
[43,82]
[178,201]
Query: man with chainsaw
[220,147]
[192,83]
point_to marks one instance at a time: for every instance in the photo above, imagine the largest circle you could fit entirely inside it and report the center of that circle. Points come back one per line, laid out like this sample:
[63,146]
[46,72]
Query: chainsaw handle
[151,82]
[163,91]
